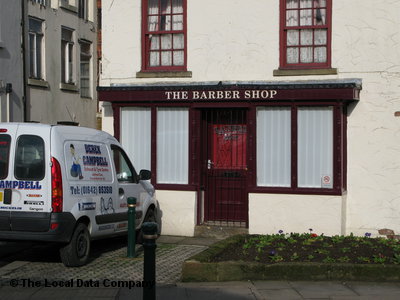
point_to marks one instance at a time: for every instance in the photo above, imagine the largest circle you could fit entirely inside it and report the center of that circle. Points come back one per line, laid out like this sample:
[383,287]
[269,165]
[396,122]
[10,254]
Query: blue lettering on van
[21,185]
[94,161]
[105,189]
[92,149]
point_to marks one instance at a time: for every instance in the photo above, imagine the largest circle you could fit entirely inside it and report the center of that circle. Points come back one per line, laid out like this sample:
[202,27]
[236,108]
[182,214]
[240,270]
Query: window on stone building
[83,9]
[85,74]
[41,2]
[67,55]
[35,39]
[305,34]
[164,35]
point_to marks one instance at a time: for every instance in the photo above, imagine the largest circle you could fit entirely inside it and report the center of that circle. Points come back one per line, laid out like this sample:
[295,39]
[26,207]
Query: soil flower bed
[309,247]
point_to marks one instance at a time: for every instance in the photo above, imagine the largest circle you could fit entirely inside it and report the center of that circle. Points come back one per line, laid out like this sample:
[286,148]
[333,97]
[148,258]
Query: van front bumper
[36,226]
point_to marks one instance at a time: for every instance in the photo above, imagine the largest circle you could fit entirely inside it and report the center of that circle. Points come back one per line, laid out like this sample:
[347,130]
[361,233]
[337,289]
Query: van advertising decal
[87,162]
[91,190]
[29,202]
[20,184]
[87,206]
[107,206]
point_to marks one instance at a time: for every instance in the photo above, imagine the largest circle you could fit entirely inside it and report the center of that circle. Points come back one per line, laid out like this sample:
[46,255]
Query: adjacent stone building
[48,50]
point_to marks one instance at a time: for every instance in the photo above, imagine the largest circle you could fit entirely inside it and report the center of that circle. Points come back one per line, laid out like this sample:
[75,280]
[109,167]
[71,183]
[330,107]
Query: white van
[68,184]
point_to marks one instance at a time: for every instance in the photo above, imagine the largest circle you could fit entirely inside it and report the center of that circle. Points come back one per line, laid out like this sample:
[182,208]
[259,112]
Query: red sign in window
[229,146]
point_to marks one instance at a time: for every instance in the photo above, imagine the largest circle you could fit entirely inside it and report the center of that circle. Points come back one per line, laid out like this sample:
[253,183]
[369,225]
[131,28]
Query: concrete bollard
[131,227]
[149,230]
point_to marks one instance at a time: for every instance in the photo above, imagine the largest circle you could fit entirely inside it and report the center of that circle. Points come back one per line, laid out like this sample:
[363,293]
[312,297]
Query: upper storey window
[306,34]
[164,35]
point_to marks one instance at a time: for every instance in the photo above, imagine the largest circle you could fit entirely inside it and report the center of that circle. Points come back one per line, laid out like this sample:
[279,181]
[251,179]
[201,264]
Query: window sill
[38,83]
[69,87]
[305,72]
[298,191]
[68,7]
[164,74]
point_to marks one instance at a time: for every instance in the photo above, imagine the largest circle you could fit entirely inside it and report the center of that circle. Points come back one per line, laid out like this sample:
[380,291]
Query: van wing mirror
[144,175]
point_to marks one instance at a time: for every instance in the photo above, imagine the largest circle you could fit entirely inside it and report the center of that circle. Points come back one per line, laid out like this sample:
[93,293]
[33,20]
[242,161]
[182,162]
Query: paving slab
[375,288]
[321,289]
[279,294]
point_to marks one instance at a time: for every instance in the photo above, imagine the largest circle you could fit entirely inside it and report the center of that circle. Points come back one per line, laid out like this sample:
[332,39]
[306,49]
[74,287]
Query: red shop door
[226,167]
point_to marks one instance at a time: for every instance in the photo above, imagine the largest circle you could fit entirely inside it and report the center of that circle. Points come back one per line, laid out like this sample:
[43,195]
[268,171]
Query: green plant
[396,259]
[329,260]
[322,251]
[294,256]
[379,258]
[364,259]
[345,249]
[344,259]
[276,258]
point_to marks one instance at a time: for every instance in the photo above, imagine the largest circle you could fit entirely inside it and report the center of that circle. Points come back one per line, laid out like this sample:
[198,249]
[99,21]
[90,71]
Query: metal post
[149,230]
[131,226]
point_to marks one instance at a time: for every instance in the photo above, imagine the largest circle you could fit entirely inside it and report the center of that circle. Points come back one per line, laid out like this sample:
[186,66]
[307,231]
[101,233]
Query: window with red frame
[164,35]
[305,33]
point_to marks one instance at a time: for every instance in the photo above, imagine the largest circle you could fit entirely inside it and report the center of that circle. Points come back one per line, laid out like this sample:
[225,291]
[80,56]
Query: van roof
[71,131]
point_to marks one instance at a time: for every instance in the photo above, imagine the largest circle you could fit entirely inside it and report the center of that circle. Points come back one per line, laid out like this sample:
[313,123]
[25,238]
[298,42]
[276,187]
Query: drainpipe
[23,53]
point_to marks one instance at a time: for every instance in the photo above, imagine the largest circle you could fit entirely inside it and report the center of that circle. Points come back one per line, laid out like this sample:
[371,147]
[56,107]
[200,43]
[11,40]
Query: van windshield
[29,159]
[5,141]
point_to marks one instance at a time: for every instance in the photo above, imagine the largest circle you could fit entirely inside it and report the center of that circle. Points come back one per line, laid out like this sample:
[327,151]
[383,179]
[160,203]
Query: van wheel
[76,253]
[150,217]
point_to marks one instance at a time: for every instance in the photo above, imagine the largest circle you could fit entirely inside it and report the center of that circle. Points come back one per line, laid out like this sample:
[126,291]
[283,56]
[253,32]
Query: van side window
[123,166]
[29,158]
[5,141]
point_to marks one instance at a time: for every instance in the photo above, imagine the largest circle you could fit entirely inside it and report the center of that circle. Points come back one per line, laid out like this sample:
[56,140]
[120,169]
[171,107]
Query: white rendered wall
[178,212]
[239,41]
[269,213]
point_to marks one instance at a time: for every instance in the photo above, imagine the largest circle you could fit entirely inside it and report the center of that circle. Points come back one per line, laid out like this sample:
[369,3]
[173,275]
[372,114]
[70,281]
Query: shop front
[231,154]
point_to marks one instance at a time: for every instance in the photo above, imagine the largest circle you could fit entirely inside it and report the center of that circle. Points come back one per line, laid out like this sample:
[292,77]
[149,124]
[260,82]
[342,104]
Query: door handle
[209,164]
[121,192]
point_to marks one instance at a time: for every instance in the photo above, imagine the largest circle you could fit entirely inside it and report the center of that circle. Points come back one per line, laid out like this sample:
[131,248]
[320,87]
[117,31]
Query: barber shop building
[263,115]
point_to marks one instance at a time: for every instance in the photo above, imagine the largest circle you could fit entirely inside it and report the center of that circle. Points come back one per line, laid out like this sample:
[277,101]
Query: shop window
[295,148]
[315,147]
[172,145]
[85,74]
[305,34]
[136,135]
[274,146]
[164,35]
[35,48]
[67,56]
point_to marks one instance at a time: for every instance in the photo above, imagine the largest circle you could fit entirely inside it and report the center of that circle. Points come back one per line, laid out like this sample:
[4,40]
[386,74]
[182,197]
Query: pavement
[111,275]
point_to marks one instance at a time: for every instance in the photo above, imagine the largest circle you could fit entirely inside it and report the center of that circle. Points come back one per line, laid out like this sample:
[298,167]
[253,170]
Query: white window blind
[273,146]
[136,135]
[315,147]
[172,145]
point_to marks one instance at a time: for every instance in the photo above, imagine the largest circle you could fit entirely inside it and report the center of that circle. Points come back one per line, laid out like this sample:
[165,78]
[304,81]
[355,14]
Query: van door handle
[121,192]
[7,196]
